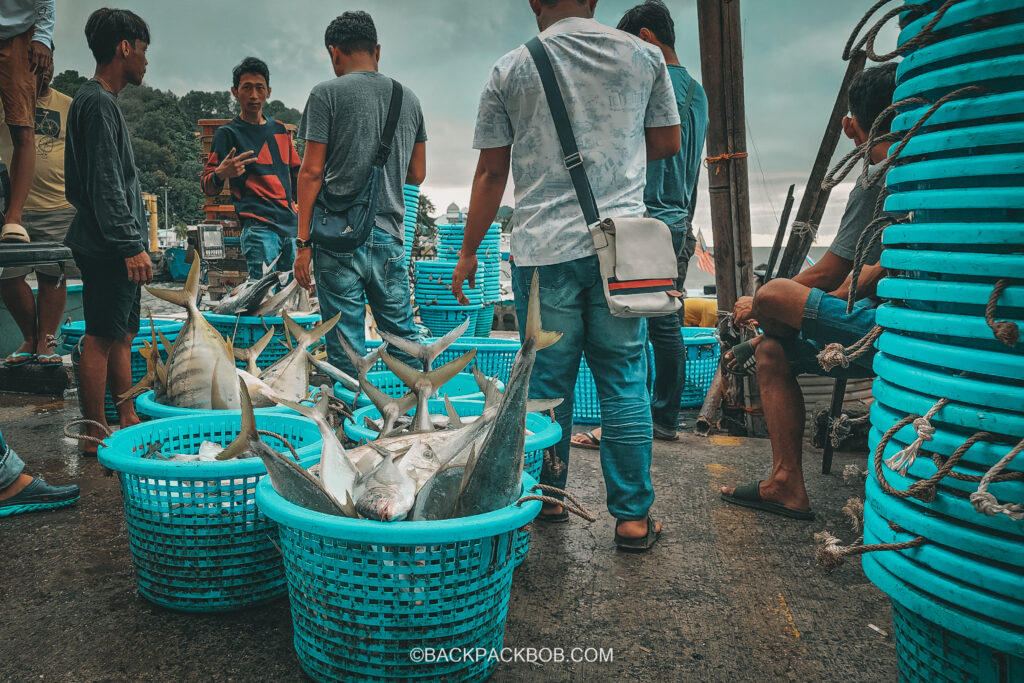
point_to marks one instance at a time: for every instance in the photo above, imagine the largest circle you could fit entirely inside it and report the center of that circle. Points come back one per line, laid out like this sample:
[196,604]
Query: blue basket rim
[980,393]
[961,47]
[969,109]
[948,291]
[979,361]
[928,322]
[958,14]
[147,404]
[133,464]
[446,531]
[256,321]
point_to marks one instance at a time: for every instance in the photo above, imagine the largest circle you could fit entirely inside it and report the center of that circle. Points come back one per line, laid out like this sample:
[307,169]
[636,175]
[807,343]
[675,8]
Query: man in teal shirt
[669,195]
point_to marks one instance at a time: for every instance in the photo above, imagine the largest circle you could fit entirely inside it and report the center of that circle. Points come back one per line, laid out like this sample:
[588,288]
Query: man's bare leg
[784,414]
[92,384]
[119,379]
[50,303]
[17,296]
[22,170]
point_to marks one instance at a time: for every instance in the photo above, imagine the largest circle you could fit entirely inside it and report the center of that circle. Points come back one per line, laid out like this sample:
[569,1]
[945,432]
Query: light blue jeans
[262,244]
[573,303]
[375,273]
[11,466]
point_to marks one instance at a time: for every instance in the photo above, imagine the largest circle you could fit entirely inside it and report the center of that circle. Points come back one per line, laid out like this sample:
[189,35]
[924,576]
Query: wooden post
[814,199]
[721,58]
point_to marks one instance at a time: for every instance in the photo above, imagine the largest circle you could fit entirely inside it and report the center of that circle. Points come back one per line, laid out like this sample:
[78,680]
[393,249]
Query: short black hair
[352,32]
[250,65]
[870,93]
[654,16]
[106,28]
[552,3]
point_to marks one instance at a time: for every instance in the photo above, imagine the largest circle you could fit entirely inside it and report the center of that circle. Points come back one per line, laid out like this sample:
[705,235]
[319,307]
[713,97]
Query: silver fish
[387,493]
[246,297]
[275,305]
[289,377]
[493,476]
[342,378]
[200,370]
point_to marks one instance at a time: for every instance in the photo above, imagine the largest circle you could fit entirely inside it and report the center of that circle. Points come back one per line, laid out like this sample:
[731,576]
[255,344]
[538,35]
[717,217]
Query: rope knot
[832,356]
[717,160]
[905,457]
[830,553]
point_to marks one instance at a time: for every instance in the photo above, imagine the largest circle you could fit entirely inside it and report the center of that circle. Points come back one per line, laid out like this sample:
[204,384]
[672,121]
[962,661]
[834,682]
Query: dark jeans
[262,244]
[669,351]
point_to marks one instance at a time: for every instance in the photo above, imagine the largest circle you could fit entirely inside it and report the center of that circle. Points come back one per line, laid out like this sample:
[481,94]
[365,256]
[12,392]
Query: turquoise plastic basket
[247,330]
[543,432]
[364,593]
[494,356]
[702,354]
[484,321]
[463,385]
[198,542]
[928,653]
[441,320]
[148,407]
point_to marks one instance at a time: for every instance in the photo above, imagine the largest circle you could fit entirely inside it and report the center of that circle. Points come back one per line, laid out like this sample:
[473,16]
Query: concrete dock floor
[727,594]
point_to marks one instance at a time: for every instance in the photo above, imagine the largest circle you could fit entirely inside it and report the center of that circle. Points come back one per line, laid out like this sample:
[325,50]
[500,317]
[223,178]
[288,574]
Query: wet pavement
[726,594]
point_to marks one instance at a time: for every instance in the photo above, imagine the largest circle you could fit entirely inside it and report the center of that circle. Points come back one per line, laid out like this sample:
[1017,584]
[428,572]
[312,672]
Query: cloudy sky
[443,50]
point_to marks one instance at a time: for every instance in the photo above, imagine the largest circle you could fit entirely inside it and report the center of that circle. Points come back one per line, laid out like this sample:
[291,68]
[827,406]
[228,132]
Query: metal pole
[167,223]
[834,410]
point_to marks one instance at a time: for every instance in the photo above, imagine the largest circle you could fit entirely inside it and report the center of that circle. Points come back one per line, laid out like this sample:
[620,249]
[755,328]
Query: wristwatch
[302,244]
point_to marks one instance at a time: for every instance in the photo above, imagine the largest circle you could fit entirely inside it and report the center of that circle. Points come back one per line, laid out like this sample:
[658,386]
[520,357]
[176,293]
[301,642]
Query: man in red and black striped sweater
[256,156]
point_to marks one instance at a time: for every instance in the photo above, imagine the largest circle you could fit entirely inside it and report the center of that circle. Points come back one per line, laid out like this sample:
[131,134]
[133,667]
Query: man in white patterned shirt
[620,102]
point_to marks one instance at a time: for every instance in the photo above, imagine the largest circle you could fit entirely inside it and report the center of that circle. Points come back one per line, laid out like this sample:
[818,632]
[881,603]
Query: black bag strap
[387,137]
[571,156]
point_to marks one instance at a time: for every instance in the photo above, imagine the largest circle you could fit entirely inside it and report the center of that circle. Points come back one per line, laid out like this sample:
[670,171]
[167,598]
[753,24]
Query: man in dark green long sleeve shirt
[108,235]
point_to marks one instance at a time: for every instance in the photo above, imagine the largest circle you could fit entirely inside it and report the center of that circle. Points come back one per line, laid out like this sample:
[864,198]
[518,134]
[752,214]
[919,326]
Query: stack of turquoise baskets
[197,539]
[411,194]
[958,599]
[439,310]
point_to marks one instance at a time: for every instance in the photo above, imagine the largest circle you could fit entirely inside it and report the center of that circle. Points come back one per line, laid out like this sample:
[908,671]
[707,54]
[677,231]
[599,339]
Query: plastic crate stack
[440,311]
[411,194]
[950,383]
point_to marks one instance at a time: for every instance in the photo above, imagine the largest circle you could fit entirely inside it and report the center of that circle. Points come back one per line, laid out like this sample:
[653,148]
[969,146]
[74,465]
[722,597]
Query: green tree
[504,218]
[278,110]
[68,82]
[425,225]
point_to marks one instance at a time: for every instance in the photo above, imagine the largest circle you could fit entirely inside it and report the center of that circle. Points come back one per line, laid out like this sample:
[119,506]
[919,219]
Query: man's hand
[234,166]
[465,269]
[39,56]
[742,310]
[140,268]
[301,269]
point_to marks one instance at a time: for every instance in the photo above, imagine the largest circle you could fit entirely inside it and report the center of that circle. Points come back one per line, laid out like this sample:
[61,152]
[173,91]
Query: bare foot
[550,509]
[634,528]
[591,439]
[16,487]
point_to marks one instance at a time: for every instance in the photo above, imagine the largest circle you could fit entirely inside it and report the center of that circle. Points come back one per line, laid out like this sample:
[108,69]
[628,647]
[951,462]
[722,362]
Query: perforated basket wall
[197,540]
[364,594]
[702,354]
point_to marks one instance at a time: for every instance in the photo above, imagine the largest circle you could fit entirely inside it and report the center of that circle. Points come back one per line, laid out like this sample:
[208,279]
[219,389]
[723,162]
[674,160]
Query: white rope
[986,503]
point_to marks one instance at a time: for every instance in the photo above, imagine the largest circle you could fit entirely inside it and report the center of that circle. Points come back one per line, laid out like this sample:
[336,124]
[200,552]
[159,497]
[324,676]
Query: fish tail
[241,442]
[362,364]
[435,378]
[304,337]
[542,337]
[185,296]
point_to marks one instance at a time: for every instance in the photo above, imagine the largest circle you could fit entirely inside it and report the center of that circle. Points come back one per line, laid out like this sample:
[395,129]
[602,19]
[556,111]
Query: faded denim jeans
[573,303]
[11,466]
[667,341]
[262,244]
[375,273]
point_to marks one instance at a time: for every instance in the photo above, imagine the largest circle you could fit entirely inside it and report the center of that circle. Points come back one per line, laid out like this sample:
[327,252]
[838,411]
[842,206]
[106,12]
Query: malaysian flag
[705,259]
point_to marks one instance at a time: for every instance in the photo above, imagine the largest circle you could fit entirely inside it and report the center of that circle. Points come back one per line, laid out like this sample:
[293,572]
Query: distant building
[454,214]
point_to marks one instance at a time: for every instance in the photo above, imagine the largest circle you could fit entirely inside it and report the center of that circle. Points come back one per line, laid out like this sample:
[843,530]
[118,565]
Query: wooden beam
[814,199]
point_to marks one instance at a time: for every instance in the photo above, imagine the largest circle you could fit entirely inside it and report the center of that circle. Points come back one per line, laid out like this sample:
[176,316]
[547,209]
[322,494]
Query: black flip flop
[749,496]
[743,361]
[593,443]
[641,544]
[554,517]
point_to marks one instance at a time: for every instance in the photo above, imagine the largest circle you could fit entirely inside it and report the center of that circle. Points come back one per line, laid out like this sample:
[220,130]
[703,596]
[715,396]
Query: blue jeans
[375,273]
[669,351]
[11,466]
[573,303]
[826,321]
[262,244]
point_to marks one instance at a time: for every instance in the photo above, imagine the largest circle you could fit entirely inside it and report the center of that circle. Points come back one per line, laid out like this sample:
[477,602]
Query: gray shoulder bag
[637,257]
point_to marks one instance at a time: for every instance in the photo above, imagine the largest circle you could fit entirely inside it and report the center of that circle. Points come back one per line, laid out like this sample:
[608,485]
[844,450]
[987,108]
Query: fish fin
[304,337]
[492,394]
[334,373]
[312,412]
[182,297]
[406,403]
[142,385]
[542,405]
[370,424]
[362,364]
[240,443]
[426,353]
[471,461]
[453,416]
[250,354]
[435,378]
[534,331]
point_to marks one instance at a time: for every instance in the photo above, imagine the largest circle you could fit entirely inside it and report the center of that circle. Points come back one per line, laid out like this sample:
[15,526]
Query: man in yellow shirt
[700,312]
[46,217]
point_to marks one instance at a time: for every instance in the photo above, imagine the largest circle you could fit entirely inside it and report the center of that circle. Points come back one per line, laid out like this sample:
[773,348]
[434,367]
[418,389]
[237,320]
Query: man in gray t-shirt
[342,126]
